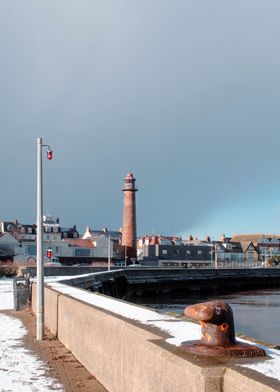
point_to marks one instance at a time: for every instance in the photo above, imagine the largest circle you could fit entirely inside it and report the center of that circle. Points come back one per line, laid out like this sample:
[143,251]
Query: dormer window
[75,235]
[65,235]
[10,228]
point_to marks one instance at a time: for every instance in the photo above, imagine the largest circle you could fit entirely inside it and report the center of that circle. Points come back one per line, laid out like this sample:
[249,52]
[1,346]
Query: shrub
[8,270]
[273,260]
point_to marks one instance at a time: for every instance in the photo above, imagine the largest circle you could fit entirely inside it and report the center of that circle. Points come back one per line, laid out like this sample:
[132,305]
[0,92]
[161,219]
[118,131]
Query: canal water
[256,313]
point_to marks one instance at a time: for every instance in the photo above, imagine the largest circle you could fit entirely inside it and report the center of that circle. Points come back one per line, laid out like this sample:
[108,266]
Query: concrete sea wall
[136,282]
[126,356]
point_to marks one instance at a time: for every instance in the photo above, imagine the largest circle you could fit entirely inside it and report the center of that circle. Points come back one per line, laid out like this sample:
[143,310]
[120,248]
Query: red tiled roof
[255,238]
[79,242]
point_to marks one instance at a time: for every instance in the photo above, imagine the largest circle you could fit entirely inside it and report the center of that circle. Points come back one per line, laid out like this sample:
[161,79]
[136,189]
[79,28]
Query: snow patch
[7,294]
[20,370]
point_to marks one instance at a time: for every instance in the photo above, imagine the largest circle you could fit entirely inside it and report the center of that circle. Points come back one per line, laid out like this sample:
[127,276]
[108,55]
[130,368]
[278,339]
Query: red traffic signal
[49,253]
[49,154]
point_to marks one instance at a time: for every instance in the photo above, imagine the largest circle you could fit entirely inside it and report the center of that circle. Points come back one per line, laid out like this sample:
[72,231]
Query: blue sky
[185,94]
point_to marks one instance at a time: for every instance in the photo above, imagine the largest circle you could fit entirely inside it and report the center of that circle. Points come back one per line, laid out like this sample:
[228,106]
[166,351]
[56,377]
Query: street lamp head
[49,154]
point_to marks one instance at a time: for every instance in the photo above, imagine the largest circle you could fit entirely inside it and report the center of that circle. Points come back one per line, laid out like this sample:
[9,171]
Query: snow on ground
[20,370]
[6,294]
[180,331]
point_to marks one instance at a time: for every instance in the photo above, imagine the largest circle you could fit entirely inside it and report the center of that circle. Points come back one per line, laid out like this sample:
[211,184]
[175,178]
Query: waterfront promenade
[128,348]
[27,365]
[136,349]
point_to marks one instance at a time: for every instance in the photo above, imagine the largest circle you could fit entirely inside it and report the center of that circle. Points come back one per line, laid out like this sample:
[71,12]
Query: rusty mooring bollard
[218,336]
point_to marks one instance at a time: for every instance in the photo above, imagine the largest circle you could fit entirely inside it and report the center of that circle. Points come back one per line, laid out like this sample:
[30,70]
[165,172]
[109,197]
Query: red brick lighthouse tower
[129,218]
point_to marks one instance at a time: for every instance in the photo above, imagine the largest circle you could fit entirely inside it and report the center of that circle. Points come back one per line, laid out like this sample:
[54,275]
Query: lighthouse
[129,218]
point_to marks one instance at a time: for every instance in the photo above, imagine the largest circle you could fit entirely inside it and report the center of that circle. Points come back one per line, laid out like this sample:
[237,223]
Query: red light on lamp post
[49,253]
[49,154]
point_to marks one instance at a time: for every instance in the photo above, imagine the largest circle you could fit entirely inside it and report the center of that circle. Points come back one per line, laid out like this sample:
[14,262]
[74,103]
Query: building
[229,252]
[266,245]
[52,230]
[9,247]
[114,235]
[19,231]
[172,251]
[19,240]
[250,251]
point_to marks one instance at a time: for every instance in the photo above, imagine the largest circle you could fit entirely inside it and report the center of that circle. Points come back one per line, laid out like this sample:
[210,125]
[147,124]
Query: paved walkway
[61,364]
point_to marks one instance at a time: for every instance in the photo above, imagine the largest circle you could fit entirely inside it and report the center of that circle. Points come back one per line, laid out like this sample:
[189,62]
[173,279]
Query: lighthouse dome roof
[129,176]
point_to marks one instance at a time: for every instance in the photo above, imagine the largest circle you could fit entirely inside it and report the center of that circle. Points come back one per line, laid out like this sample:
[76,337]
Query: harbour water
[256,313]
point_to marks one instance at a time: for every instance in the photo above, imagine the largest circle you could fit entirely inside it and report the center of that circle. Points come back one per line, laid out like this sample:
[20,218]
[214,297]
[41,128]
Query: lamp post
[109,253]
[40,263]
[214,250]
[216,256]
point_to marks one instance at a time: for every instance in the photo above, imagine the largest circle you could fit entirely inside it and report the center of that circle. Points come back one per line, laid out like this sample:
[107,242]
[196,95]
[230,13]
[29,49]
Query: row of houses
[249,249]
[18,242]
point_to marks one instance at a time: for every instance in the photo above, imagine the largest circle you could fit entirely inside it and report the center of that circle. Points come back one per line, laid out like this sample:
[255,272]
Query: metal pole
[40,266]
[265,259]
[109,253]
[216,257]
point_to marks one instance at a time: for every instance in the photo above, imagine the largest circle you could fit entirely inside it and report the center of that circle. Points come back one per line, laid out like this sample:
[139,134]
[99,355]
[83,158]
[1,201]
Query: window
[30,250]
[188,252]
[199,252]
[164,252]
[29,230]
[82,252]
[75,235]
